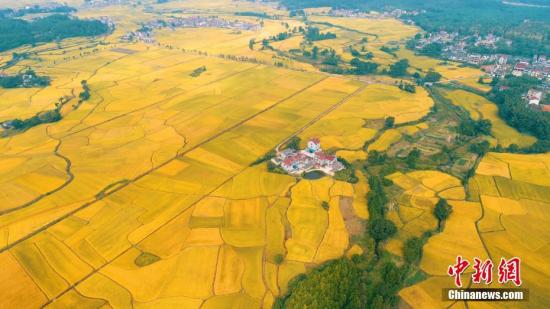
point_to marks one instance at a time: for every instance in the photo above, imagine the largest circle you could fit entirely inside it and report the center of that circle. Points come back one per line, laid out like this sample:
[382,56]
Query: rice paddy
[147,196]
[151,178]
[481,108]
[510,218]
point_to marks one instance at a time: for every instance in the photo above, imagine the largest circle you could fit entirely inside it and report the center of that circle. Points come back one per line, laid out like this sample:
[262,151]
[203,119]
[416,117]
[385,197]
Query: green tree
[336,284]
[412,250]
[442,211]
[376,158]
[380,230]
[470,127]
[432,77]
[432,49]
[412,158]
[389,122]
[279,258]
[480,148]
[399,68]
[15,32]
[315,53]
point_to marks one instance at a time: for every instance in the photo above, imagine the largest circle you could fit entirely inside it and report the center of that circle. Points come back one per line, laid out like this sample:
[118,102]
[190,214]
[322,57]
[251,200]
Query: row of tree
[17,32]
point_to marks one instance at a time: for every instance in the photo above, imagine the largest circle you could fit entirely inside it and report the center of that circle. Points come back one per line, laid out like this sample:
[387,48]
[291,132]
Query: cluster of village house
[104,3]
[145,33]
[312,158]
[496,65]
[396,13]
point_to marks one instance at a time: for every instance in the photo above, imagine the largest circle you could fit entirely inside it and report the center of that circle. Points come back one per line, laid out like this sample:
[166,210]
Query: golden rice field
[479,107]
[151,178]
[344,128]
[145,195]
[350,32]
[413,212]
[386,30]
[216,41]
[120,202]
[450,71]
[508,218]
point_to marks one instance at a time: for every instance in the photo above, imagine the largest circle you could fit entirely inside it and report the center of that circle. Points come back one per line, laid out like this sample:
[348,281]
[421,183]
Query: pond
[314,175]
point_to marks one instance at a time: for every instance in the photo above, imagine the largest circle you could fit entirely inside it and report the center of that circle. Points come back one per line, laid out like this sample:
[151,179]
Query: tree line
[17,32]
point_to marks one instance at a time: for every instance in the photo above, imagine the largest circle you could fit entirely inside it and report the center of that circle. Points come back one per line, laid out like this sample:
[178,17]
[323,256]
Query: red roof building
[521,66]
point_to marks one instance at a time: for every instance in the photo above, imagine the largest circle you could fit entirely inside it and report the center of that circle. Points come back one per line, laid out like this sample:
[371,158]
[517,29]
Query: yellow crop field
[414,213]
[426,294]
[379,101]
[155,191]
[458,238]
[491,165]
[511,219]
[386,30]
[309,221]
[435,180]
[386,140]
[451,72]
[531,169]
[480,107]
[217,42]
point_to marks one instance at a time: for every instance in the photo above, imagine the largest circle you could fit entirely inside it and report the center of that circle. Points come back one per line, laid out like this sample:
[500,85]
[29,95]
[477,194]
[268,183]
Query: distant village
[310,159]
[396,13]
[145,33]
[497,65]
[104,3]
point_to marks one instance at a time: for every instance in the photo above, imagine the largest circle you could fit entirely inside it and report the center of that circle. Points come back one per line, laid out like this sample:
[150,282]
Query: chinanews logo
[508,272]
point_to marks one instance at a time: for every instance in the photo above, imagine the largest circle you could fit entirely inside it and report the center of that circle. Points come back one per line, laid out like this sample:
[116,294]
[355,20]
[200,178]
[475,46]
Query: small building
[534,96]
[312,158]
[314,145]
[521,66]
[325,159]
[502,59]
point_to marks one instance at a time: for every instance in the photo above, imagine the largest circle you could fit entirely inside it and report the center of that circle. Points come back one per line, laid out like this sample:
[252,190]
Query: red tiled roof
[315,140]
[324,156]
[292,159]
[521,65]
[545,108]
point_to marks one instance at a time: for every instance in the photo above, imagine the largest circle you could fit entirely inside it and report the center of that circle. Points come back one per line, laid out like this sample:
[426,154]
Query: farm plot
[344,128]
[451,71]
[121,139]
[479,107]
[413,212]
[206,206]
[510,219]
